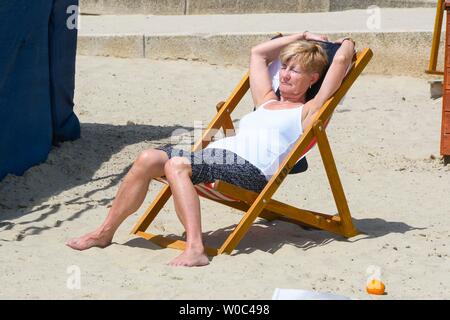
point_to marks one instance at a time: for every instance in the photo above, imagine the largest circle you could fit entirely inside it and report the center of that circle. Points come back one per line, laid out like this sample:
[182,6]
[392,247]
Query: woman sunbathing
[249,158]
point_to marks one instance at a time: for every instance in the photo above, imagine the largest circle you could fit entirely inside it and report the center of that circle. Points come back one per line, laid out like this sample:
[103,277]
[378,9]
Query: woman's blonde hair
[309,54]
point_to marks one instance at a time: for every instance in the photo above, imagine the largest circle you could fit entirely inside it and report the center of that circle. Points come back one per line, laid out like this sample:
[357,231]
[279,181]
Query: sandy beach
[385,140]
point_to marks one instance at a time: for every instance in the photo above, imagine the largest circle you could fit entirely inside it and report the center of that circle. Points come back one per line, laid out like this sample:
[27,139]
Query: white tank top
[265,137]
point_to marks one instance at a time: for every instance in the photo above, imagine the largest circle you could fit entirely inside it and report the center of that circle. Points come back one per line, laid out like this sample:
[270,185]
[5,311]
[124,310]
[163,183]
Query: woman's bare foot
[190,258]
[93,239]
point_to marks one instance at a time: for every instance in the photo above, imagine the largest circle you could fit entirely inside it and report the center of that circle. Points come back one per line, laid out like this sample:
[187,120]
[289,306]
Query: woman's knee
[177,166]
[150,158]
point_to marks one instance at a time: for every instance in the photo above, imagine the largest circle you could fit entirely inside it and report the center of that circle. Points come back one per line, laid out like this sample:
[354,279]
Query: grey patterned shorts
[212,164]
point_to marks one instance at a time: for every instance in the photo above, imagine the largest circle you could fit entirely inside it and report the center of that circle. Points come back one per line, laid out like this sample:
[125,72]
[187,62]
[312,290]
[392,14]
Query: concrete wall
[395,53]
[339,5]
[157,7]
[261,6]
[181,7]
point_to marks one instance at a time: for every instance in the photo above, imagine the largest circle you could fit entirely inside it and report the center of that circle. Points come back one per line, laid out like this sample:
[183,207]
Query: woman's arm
[261,56]
[332,81]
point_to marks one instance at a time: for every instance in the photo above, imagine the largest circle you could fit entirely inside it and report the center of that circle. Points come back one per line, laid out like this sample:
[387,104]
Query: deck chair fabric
[261,204]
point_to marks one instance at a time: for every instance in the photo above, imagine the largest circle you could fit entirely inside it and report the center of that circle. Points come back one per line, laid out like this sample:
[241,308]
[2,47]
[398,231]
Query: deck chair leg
[436,39]
[241,229]
[153,210]
[348,229]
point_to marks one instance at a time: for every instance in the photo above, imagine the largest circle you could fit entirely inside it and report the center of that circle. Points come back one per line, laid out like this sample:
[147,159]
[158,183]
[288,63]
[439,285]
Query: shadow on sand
[68,166]
[271,236]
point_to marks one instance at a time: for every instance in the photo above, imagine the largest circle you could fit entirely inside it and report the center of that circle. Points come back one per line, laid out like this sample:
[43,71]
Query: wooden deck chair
[261,204]
[440,8]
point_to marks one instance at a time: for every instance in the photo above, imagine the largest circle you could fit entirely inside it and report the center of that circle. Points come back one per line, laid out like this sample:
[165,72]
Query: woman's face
[295,81]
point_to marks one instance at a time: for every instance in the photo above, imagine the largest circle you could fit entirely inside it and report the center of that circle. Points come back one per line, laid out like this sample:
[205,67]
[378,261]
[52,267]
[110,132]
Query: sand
[385,140]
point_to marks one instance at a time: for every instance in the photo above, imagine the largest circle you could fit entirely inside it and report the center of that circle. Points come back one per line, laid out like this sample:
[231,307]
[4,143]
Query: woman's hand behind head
[315,37]
[341,40]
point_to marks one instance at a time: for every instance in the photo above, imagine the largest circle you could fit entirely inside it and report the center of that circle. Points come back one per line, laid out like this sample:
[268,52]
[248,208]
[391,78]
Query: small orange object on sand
[375,286]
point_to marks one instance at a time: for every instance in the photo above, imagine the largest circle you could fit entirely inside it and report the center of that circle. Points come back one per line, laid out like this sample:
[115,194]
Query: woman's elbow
[341,59]
[255,51]
[258,56]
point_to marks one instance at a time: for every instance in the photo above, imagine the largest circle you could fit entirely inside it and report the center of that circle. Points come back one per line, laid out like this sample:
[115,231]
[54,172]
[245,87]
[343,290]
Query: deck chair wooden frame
[440,7]
[261,204]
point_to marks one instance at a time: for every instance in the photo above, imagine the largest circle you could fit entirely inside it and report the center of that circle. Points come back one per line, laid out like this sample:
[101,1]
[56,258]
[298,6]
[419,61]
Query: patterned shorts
[213,164]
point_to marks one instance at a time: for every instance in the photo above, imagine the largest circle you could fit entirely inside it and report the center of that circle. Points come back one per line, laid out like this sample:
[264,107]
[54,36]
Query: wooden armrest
[227,123]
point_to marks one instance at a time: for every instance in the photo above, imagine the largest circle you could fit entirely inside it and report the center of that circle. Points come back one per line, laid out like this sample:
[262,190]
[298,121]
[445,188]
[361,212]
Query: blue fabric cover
[37,68]
[331,49]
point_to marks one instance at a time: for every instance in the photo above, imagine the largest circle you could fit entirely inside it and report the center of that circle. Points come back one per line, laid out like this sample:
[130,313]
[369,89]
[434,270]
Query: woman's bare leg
[187,204]
[131,195]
